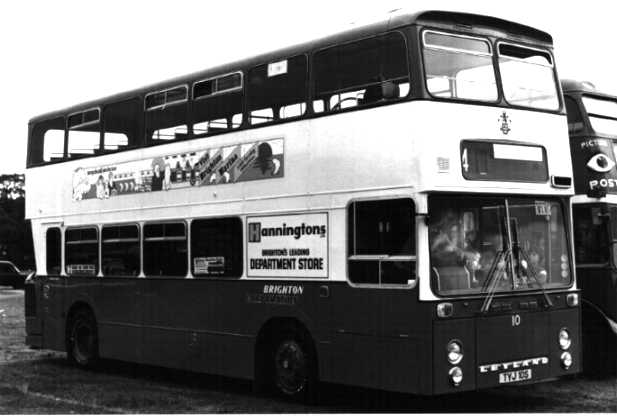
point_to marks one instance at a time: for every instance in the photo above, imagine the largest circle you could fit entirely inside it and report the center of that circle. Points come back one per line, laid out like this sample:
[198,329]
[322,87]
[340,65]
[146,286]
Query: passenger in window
[492,248]
[536,255]
[372,94]
[382,90]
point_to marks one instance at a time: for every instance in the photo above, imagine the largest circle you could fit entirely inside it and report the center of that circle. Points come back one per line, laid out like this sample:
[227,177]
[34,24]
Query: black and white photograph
[284,207]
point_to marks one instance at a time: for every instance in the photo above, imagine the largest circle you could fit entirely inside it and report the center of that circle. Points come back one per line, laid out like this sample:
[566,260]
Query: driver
[447,247]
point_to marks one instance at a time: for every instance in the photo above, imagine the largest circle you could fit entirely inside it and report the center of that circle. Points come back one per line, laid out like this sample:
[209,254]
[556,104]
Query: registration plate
[514,376]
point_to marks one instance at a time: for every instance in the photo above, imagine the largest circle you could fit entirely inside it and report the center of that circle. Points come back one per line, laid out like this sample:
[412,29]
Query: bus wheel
[82,344]
[294,367]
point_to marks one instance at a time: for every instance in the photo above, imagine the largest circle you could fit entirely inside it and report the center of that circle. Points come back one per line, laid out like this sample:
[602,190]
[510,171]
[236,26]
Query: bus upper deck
[470,88]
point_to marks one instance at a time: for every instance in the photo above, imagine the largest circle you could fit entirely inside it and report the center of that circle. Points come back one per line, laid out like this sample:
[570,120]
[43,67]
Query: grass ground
[43,382]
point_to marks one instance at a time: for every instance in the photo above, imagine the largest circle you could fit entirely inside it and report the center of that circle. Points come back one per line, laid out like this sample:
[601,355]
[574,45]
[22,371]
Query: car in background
[10,275]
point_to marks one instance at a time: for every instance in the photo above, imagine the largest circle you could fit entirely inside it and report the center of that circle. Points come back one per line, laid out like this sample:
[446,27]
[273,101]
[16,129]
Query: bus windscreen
[528,77]
[496,244]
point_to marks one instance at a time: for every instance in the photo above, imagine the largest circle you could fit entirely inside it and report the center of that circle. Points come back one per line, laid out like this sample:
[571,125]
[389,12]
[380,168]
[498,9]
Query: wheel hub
[290,368]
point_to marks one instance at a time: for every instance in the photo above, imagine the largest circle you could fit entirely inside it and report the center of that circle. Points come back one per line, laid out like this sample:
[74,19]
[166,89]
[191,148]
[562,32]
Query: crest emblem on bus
[505,123]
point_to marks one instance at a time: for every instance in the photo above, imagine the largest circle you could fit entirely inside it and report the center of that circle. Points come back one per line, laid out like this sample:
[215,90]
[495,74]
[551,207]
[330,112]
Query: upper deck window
[274,87]
[528,77]
[457,43]
[121,125]
[46,141]
[359,73]
[602,115]
[84,133]
[218,85]
[459,66]
[166,115]
[217,104]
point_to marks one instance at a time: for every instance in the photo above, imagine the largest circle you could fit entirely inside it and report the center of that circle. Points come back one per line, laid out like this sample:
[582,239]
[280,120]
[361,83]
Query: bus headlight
[456,376]
[564,339]
[566,360]
[455,352]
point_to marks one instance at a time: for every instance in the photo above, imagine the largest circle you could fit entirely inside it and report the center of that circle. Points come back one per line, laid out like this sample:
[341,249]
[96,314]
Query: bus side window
[216,247]
[591,241]
[84,133]
[167,115]
[217,104]
[46,142]
[370,71]
[121,125]
[278,90]
[82,251]
[165,250]
[381,242]
[120,251]
[53,251]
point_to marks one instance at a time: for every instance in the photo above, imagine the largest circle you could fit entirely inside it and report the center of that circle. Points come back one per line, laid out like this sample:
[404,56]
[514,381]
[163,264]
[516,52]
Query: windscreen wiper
[494,275]
[502,261]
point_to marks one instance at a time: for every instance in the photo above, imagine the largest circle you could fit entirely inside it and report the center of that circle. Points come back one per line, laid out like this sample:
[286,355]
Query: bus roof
[571,85]
[465,21]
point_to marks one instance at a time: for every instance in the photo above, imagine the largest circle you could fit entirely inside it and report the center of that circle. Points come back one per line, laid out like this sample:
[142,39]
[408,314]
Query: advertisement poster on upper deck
[208,167]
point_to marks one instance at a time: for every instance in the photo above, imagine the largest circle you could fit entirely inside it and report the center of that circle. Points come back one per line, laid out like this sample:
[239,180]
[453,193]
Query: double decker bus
[592,122]
[386,207]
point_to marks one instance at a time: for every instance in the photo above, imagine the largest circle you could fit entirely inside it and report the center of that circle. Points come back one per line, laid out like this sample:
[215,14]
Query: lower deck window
[216,247]
[381,242]
[53,251]
[120,251]
[591,240]
[82,251]
[165,250]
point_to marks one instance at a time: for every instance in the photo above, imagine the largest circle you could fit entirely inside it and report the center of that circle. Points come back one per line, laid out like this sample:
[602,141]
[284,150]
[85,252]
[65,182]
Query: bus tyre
[294,367]
[82,343]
